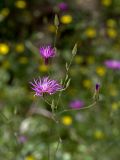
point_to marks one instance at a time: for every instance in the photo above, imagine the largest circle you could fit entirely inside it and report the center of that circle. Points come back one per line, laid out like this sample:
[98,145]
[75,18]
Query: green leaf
[56,21]
[74,51]
[68,83]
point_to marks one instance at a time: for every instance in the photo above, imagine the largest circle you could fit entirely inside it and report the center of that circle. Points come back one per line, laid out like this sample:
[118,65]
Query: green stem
[58,144]
[60,94]
[46,101]
[56,32]
[68,110]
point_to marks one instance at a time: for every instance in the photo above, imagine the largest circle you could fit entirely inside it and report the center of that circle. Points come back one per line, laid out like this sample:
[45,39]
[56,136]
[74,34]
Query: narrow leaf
[66,66]
[56,21]
[74,51]
[68,83]
[66,78]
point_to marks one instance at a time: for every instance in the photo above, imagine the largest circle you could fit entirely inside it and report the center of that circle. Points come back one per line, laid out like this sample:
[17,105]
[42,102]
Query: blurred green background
[25,25]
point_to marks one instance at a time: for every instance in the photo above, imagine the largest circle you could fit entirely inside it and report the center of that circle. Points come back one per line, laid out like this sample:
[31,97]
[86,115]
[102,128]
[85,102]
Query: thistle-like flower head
[75,104]
[97,87]
[47,52]
[45,85]
[113,64]
[63,6]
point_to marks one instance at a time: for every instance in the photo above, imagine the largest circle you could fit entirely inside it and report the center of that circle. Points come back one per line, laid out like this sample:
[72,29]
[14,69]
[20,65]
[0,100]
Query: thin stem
[70,63]
[60,94]
[53,113]
[46,101]
[4,117]
[68,110]
[49,143]
[58,144]
[56,32]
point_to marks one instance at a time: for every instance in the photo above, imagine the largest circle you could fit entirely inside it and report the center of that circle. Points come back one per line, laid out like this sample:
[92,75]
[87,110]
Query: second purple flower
[47,52]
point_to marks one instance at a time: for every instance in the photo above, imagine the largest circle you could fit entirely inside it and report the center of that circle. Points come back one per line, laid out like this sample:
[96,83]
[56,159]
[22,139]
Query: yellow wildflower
[112,90]
[78,59]
[43,68]
[111,23]
[112,33]
[115,106]
[106,2]
[90,59]
[4,48]
[5,12]
[30,157]
[98,134]
[90,32]
[101,71]
[87,83]
[66,19]
[6,64]
[19,47]
[73,71]
[67,120]
[20,4]
[51,28]
[23,60]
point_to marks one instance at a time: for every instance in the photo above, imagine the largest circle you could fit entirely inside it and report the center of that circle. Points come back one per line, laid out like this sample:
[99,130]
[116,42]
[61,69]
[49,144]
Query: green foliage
[27,131]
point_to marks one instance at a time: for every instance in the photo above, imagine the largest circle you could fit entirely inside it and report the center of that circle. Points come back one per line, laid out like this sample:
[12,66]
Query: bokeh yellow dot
[90,32]
[115,106]
[23,60]
[113,90]
[111,23]
[98,134]
[5,12]
[101,71]
[73,71]
[87,83]
[4,48]
[78,59]
[66,19]
[30,158]
[43,68]
[106,2]
[52,28]
[20,4]
[6,64]
[112,33]
[67,120]
[90,60]
[19,48]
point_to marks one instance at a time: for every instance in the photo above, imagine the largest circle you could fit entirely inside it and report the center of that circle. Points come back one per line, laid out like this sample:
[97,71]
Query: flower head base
[113,64]
[97,87]
[63,6]
[96,93]
[45,85]
[76,104]
[47,52]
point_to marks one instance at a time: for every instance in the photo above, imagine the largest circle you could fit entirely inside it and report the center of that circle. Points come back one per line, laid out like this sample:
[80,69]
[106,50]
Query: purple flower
[63,6]
[45,85]
[97,87]
[76,104]
[22,139]
[113,64]
[47,52]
